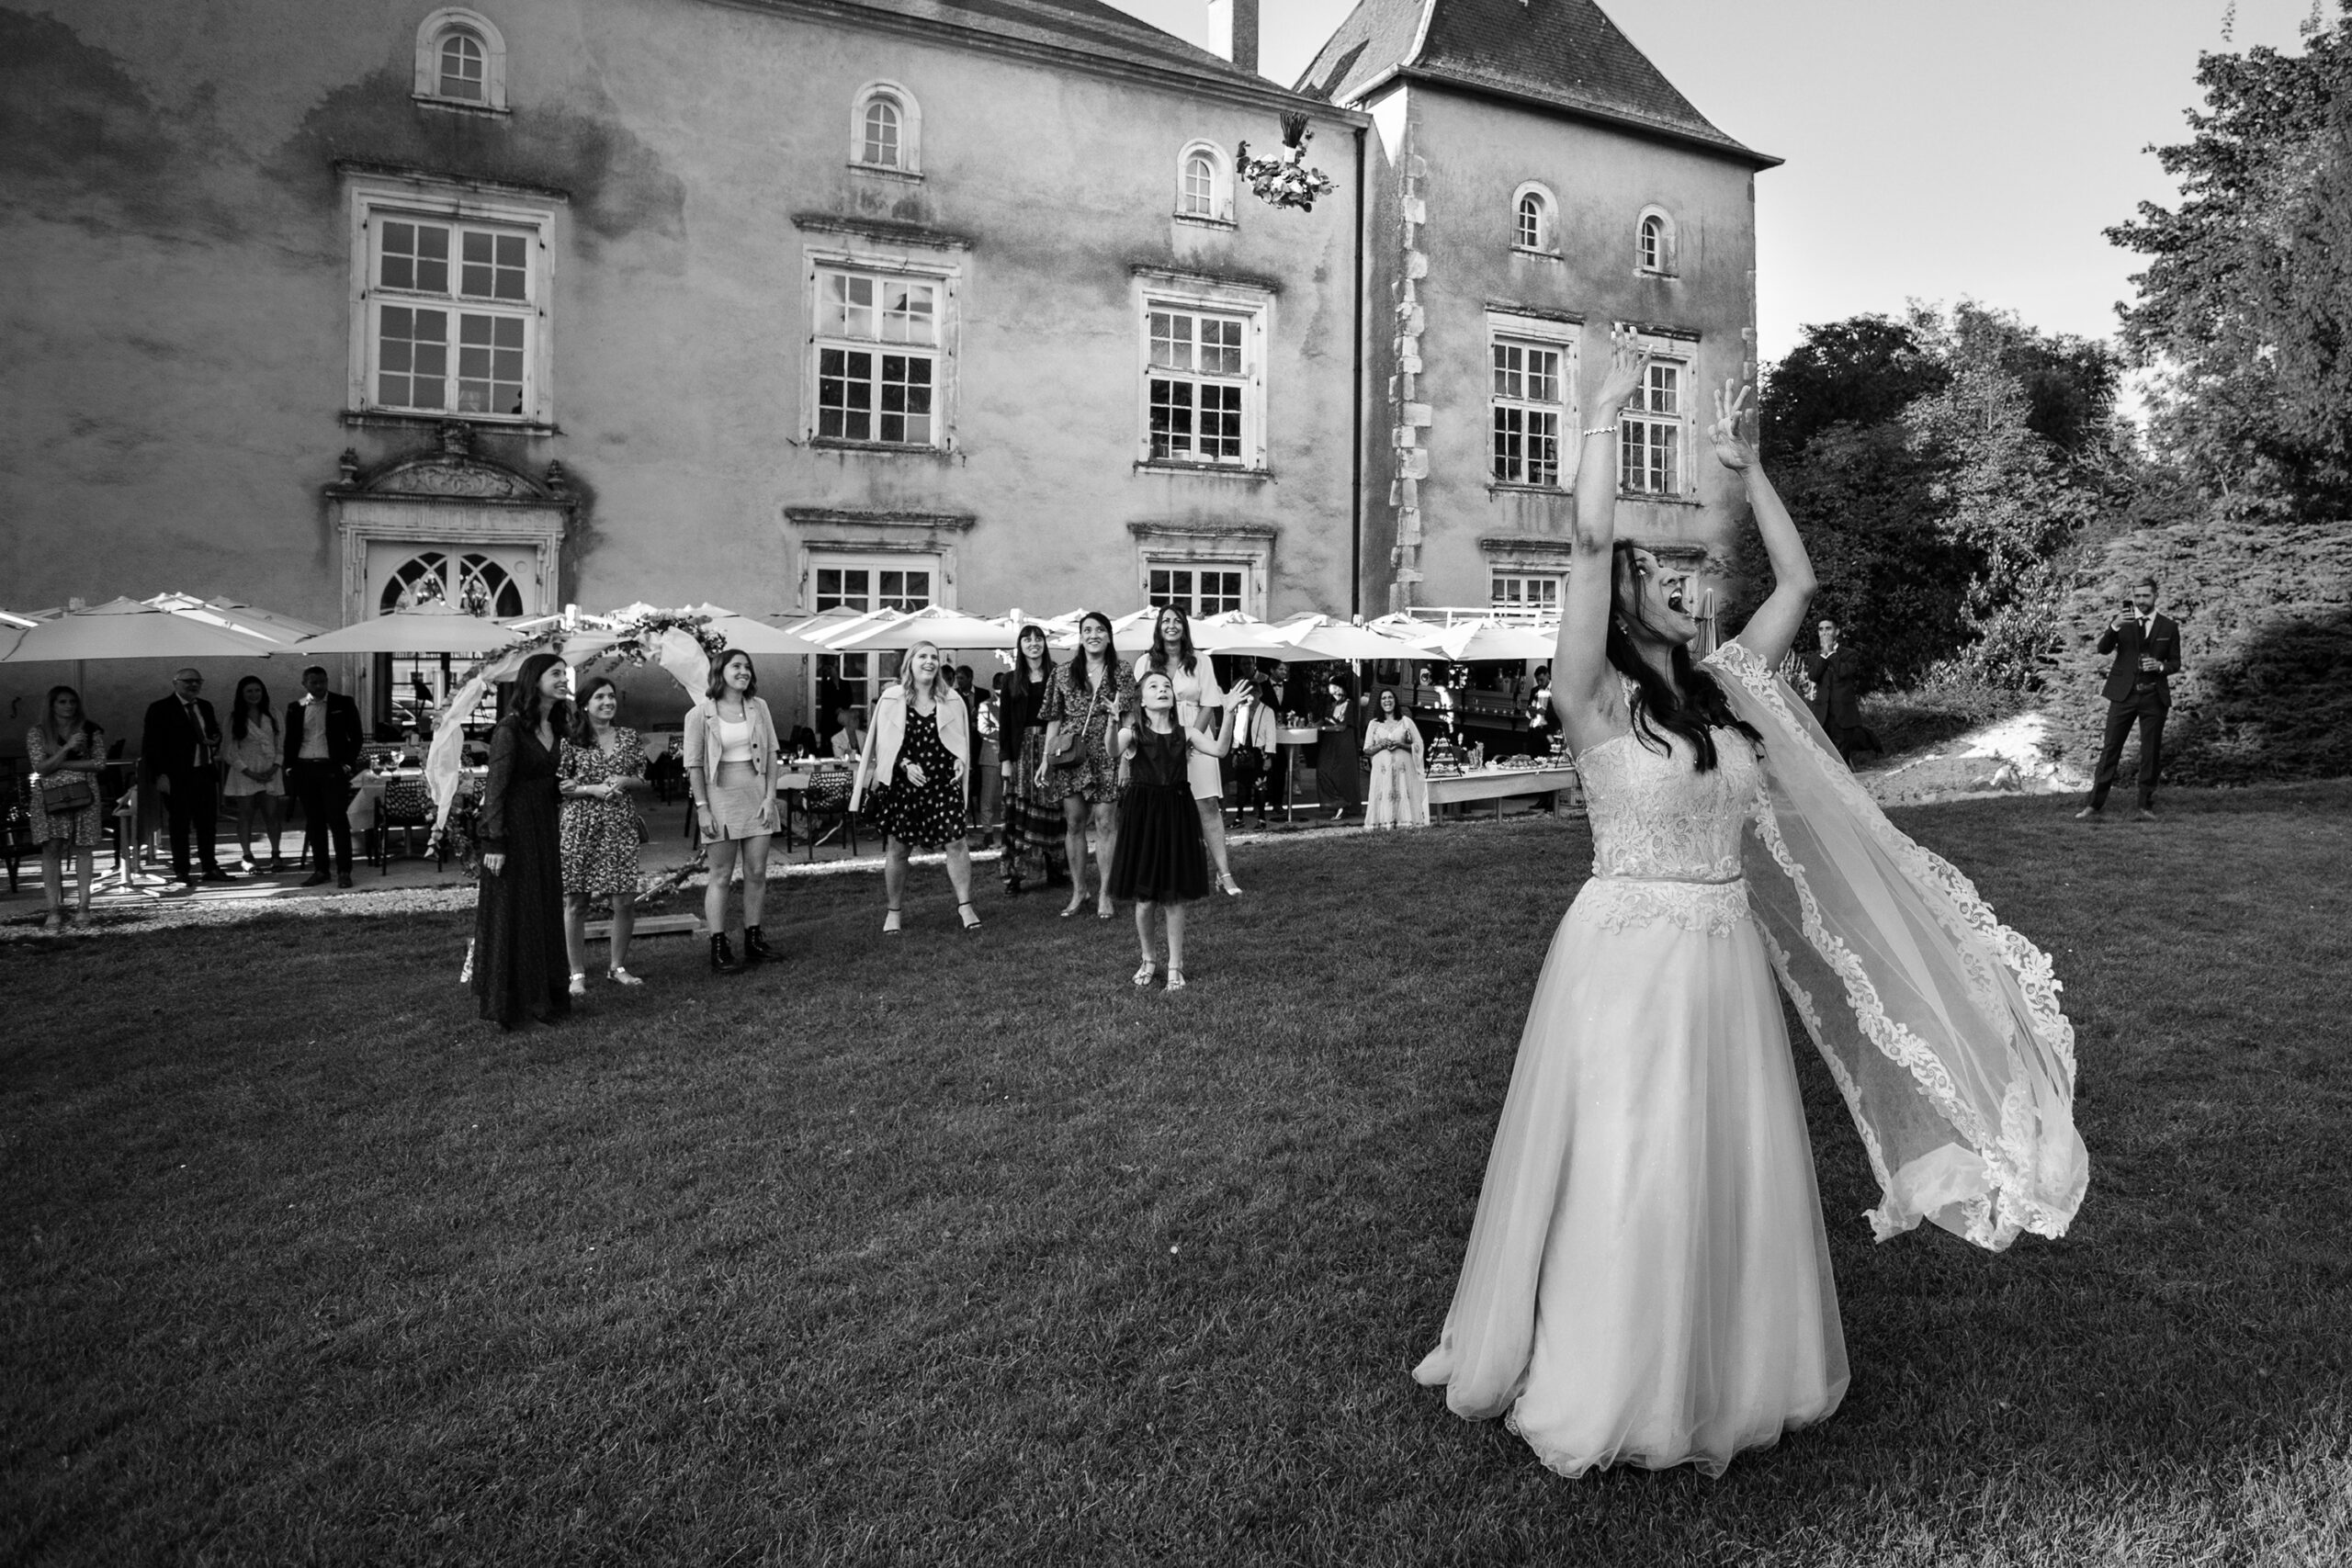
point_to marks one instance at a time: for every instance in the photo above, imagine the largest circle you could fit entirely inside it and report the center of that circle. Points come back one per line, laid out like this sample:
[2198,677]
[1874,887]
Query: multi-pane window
[453,314]
[1654,245]
[1530,232]
[878,358]
[1525,592]
[880,144]
[462,73]
[1529,401]
[867,586]
[1196,384]
[1197,590]
[1650,433]
[1199,194]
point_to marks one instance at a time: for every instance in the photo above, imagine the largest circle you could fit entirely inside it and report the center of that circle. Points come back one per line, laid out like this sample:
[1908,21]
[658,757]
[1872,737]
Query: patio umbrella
[751,634]
[126,629]
[903,629]
[436,626]
[1467,642]
[270,623]
[1238,635]
[827,627]
[1316,637]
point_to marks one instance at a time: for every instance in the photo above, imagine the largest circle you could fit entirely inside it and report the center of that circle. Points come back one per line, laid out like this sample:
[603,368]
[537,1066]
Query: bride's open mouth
[1674,597]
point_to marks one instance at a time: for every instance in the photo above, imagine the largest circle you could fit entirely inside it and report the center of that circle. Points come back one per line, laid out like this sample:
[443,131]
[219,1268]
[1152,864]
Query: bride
[1648,1279]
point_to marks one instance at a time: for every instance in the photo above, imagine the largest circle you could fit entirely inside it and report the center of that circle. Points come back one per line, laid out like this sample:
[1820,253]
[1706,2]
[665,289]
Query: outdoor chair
[407,804]
[15,820]
[827,799]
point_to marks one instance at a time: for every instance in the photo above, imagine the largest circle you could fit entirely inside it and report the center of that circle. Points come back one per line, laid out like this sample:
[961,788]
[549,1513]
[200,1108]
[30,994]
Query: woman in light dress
[1648,1279]
[256,776]
[731,769]
[1198,703]
[1400,790]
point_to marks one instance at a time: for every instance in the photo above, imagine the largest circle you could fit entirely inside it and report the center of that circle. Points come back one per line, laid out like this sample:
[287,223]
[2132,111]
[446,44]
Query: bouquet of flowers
[1285,181]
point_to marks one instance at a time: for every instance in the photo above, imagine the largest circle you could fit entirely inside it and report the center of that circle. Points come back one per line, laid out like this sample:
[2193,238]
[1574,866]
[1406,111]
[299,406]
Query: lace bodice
[1654,815]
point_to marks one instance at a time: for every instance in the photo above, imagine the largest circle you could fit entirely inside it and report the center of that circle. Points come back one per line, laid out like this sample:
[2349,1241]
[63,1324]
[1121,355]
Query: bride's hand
[1629,359]
[1732,450]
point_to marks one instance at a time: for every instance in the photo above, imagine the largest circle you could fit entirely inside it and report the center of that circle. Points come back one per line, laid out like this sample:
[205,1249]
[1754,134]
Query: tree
[2246,309]
[1863,371]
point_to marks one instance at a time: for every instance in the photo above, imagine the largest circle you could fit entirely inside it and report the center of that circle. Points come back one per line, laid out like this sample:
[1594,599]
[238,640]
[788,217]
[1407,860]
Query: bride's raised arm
[1772,630]
[1582,689]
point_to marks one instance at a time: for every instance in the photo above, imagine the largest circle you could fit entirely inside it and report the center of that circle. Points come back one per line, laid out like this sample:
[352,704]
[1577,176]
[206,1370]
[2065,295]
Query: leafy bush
[2264,691]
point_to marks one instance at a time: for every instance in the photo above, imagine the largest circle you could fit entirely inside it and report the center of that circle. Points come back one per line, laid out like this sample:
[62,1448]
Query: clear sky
[1937,149]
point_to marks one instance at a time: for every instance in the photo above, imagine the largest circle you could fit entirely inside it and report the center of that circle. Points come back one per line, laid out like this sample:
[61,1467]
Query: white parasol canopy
[436,626]
[128,628]
[1324,637]
[270,623]
[900,629]
[1240,635]
[1467,642]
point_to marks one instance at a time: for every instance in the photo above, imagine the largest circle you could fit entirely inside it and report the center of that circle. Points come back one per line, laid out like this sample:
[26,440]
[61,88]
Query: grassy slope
[963,1251]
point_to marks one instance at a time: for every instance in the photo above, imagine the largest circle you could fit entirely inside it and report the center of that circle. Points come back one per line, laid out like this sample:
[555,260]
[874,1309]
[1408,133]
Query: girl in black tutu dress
[1160,860]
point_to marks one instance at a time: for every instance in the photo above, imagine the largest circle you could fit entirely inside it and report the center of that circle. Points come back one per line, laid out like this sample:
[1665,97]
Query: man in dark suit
[1837,694]
[2147,652]
[322,746]
[180,749]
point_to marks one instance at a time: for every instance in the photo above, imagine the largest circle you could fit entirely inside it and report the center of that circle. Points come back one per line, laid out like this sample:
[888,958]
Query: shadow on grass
[963,1250]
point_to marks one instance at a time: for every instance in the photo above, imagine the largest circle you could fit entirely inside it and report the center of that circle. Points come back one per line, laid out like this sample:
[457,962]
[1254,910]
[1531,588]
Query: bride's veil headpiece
[1941,1025]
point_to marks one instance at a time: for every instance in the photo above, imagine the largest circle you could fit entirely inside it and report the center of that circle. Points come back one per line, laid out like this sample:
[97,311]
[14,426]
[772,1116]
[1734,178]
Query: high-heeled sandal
[891,921]
[1075,904]
[971,916]
[620,976]
[1224,881]
[579,982]
[1144,972]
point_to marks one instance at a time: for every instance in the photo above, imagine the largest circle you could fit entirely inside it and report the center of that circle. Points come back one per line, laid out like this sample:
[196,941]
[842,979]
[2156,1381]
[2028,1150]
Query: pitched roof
[1084,26]
[1564,54]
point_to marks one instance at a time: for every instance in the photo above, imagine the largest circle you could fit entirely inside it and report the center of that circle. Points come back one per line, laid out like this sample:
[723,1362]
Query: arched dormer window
[886,129]
[1535,220]
[461,61]
[1653,242]
[1204,182]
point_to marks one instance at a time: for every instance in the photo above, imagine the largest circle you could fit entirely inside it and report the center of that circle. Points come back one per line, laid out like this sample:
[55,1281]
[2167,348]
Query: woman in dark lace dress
[519,966]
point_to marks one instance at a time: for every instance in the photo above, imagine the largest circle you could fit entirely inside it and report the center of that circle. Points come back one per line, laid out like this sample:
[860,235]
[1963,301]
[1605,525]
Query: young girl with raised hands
[1160,861]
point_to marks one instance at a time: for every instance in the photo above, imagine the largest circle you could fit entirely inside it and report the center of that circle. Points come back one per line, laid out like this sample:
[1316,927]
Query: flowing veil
[1941,1026]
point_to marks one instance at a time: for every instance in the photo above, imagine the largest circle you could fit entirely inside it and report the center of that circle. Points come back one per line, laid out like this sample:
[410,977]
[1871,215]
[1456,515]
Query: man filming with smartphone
[2147,653]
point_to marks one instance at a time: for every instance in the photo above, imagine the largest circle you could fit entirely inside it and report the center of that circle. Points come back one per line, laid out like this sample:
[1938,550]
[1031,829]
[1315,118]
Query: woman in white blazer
[913,781]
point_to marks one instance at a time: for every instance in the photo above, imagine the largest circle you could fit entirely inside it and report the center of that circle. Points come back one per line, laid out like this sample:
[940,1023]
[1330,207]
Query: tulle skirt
[1647,1282]
[1161,857]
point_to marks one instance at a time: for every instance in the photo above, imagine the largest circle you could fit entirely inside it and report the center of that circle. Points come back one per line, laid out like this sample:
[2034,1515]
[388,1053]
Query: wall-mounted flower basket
[1285,180]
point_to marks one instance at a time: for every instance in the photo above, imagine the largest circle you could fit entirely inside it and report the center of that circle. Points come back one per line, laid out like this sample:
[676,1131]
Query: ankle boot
[722,956]
[755,947]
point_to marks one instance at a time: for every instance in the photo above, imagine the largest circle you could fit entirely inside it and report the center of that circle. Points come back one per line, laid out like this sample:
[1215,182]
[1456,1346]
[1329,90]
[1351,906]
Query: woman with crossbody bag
[1083,707]
[66,752]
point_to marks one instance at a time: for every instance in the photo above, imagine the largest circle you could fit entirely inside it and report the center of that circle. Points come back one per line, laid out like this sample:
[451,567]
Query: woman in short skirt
[731,750]
[913,781]
[1161,862]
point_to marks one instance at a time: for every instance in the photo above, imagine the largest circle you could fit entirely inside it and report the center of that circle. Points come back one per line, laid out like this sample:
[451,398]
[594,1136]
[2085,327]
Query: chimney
[1233,32]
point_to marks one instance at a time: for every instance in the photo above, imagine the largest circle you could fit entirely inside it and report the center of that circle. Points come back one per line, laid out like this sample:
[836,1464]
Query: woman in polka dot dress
[913,778]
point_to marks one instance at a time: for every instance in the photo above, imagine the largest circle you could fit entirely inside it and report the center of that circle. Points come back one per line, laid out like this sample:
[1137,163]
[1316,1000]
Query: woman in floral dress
[598,761]
[1090,697]
[63,746]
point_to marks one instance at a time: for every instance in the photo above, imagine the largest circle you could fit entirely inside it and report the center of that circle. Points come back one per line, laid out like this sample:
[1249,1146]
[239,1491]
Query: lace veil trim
[1952,1053]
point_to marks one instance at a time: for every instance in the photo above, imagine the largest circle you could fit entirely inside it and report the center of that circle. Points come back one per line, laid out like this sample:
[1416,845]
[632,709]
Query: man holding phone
[2147,652]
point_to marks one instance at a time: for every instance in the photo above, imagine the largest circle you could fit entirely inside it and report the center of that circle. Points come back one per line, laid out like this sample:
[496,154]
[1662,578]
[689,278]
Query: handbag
[71,793]
[1071,751]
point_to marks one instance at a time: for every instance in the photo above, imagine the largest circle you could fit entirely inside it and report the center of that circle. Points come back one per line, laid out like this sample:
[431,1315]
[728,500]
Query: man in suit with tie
[2147,652]
[180,748]
[322,746]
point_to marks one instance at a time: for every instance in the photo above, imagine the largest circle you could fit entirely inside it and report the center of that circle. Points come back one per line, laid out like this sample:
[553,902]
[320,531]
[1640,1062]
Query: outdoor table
[1499,784]
[792,782]
[1290,738]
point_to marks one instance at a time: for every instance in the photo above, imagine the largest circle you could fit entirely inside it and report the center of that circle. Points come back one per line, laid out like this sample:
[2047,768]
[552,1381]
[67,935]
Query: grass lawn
[957,1250]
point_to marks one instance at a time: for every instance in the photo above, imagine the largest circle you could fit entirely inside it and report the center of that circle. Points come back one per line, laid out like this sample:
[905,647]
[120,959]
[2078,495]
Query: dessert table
[1497,784]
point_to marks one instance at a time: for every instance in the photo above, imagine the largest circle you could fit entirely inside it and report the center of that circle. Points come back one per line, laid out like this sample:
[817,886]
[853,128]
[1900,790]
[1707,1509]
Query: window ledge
[1206,220]
[433,418]
[462,106]
[1203,471]
[1657,272]
[1655,499]
[1515,487]
[1534,254]
[879,448]
[886,172]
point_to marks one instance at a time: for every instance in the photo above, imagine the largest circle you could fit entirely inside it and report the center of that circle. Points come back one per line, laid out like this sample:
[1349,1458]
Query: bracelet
[1602,430]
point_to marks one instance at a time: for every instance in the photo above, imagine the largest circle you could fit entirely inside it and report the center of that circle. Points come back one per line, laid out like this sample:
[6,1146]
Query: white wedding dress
[1647,1280]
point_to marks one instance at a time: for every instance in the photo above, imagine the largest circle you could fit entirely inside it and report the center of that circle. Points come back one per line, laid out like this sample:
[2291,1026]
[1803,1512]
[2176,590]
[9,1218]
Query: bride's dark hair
[1691,704]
